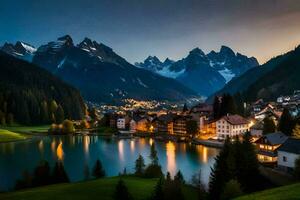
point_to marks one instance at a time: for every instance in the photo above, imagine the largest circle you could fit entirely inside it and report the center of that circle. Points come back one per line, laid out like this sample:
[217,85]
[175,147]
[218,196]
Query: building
[139,124]
[164,123]
[267,146]
[288,153]
[257,129]
[231,125]
[180,125]
[121,123]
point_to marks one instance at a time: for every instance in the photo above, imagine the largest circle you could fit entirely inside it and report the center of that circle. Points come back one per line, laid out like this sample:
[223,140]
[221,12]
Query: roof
[291,145]
[235,119]
[276,138]
[166,118]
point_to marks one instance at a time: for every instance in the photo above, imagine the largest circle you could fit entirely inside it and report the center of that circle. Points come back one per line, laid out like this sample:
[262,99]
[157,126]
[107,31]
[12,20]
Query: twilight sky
[165,28]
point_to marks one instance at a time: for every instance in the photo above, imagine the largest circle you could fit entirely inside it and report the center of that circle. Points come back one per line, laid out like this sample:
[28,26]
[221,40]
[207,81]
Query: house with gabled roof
[231,125]
[288,153]
[267,146]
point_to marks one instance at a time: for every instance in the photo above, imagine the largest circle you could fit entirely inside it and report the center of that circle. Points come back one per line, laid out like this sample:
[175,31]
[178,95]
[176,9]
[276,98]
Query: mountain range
[100,74]
[279,76]
[203,73]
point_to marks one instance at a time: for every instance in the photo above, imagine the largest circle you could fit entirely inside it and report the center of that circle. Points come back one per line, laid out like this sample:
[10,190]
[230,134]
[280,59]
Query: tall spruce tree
[286,122]
[59,174]
[269,125]
[158,193]
[139,166]
[98,171]
[153,155]
[121,191]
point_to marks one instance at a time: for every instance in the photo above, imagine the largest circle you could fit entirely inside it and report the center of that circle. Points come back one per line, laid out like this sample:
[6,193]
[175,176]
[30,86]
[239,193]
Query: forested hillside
[31,95]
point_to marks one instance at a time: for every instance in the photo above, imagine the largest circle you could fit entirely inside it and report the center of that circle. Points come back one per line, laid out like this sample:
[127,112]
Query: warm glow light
[204,154]
[86,144]
[60,151]
[121,150]
[132,146]
[151,141]
[151,128]
[171,157]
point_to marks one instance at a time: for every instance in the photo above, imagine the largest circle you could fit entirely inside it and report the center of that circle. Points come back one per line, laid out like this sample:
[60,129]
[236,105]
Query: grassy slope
[8,136]
[97,189]
[288,192]
[16,133]
[27,129]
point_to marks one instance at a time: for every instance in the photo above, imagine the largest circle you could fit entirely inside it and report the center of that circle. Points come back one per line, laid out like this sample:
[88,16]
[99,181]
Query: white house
[288,153]
[121,123]
[231,125]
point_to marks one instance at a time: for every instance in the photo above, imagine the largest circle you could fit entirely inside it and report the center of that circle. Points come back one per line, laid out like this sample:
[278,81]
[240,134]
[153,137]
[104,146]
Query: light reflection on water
[78,151]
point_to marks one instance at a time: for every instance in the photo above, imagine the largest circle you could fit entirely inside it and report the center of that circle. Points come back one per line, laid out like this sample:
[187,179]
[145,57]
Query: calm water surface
[78,151]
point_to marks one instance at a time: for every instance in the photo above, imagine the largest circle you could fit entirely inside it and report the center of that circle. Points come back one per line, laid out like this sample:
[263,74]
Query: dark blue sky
[166,28]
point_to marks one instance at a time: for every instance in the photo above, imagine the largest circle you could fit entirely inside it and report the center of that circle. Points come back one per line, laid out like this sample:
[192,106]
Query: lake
[76,152]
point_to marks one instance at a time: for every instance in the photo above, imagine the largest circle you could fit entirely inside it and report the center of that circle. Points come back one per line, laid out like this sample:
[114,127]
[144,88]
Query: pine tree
[216,107]
[153,155]
[59,115]
[98,171]
[41,175]
[269,125]
[168,177]
[59,174]
[121,192]
[232,189]
[286,122]
[179,177]
[139,166]
[158,193]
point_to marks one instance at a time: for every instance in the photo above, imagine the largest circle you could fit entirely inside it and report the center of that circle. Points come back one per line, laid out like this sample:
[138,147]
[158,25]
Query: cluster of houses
[175,123]
[275,148]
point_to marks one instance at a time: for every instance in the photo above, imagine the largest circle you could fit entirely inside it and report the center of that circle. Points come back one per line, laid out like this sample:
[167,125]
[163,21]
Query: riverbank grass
[282,193]
[96,189]
[41,129]
[9,136]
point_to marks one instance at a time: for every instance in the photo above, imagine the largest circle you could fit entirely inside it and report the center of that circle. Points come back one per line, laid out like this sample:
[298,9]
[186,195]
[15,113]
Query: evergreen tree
[68,127]
[25,181]
[158,193]
[98,171]
[232,189]
[121,192]
[44,112]
[191,127]
[139,166]
[59,174]
[197,182]
[216,107]
[179,177]
[220,173]
[173,190]
[10,119]
[269,125]
[41,175]
[153,155]
[286,122]
[168,177]
[59,114]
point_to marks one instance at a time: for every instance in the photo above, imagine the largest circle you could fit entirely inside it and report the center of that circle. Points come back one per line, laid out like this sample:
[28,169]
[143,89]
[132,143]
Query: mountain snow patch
[141,83]
[227,74]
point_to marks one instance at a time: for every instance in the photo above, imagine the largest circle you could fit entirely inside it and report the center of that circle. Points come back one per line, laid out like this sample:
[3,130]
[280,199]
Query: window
[284,159]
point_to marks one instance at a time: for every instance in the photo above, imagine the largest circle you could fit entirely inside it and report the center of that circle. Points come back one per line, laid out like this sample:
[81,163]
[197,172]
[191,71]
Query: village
[200,125]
